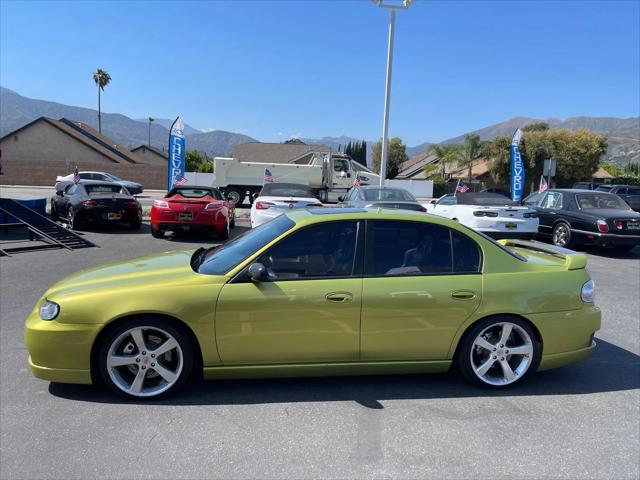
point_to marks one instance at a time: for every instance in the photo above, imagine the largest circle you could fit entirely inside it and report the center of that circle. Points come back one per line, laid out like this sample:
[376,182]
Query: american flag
[179,180]
[268,178]
[462,187]
[76,176]
[543,185]
[356,184]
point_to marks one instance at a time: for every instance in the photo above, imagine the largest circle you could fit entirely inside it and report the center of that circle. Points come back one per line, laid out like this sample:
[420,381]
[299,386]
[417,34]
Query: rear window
[388,194]
[600,201]
[196,192]
[286,190]
[485,199]
[106,188]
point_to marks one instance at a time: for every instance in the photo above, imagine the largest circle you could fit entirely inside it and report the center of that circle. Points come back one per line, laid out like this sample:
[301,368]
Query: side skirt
[325,369]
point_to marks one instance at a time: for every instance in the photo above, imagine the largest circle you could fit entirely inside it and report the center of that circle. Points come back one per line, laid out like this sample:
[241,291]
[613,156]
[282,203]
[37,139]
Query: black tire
[233,221]
[224,234]
[466,349]
[157,233]
[323,196]
[561,235]
[54,212]
[235,194]
[154,330]
[253,195]
[135,224]
[72,219]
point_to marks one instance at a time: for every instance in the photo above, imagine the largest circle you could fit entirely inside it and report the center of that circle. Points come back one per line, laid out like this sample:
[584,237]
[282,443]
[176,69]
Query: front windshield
[600,200]
[388,194]
[218,261]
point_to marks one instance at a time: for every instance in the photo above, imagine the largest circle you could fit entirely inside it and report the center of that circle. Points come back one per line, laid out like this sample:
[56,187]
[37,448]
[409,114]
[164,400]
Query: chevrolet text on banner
[517,168]
[176,153]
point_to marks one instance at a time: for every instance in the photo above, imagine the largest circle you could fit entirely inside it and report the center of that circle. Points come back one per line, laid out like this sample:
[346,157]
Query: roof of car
[98,182]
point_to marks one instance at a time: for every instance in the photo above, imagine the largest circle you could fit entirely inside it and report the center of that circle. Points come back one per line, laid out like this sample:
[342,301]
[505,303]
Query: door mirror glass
[59,193]
[257,272]
[341,198]
[432,202]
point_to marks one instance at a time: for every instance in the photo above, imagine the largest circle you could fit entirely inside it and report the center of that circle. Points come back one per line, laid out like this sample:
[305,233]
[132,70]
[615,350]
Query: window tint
[447,200]
[85,176]
[408,248]
[552,200]
[102,188]
[633,191]
[340,165]
[600,200]
[71,189]
[325,250]
[466,253]
[533,199]
[385,194]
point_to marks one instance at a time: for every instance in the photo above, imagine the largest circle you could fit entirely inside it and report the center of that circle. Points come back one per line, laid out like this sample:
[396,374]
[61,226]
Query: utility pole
[151,120]
[387,94]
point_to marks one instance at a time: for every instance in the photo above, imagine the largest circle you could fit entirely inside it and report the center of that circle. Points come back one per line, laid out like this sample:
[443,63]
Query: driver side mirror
[257,272]
[432,202]
[341,198]
[59,193]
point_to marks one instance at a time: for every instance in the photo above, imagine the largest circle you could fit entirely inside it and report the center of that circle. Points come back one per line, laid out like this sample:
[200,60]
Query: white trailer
[328,174]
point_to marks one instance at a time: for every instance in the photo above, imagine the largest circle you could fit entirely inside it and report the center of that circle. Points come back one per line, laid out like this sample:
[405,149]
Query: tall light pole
[151,120]
[404,4]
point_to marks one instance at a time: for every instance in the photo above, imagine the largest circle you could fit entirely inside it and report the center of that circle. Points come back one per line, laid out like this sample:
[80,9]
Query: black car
[499,191]
[571,217]
[629,193]
[96,202]
[134,188]
[586,185]
[371,196]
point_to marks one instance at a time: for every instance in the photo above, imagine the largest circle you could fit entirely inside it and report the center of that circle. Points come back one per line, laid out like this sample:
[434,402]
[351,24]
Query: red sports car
[189,208]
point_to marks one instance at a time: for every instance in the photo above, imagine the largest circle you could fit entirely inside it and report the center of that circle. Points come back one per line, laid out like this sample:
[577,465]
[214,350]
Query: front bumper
[602,239]
[60,352]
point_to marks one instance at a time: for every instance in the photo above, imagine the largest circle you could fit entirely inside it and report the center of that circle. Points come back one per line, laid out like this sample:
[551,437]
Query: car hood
[161,269]
[611,213]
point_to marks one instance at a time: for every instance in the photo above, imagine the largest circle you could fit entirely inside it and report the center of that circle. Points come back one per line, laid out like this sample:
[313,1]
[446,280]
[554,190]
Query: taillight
[213,206]
[422,209]
[602,226]
[619,224]
[133,203]
[89,203]
[530,214]
[264,205]
[484,213]
[160,204]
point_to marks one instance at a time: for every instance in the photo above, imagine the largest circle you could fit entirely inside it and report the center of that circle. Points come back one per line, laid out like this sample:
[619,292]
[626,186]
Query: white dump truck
[328,174]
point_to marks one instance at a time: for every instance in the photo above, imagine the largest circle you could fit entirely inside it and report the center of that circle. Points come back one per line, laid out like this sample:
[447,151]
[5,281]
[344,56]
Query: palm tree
[446,154]
[470,152]
[102,79]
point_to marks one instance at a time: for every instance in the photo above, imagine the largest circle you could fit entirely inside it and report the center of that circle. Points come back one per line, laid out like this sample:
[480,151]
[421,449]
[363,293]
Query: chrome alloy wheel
[561,235]
[501,354]
[144,361]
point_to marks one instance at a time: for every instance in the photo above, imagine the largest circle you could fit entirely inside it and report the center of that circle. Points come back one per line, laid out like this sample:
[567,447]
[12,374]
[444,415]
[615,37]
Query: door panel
[407,318]
[289,321]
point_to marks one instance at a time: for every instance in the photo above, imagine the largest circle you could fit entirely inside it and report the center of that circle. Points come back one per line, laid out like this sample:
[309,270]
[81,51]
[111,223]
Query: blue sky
[273,70]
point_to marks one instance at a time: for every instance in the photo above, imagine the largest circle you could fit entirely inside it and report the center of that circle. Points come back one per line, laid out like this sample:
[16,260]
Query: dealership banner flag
[176,153]
[517,168]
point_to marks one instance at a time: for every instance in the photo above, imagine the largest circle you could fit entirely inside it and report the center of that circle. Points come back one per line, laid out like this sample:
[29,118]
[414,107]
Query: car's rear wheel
[72,219]
[146,358]
[498,352]
[561,236]
[157,233]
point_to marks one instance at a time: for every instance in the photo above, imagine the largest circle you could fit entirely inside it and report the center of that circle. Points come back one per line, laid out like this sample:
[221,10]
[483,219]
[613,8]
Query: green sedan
[320,292]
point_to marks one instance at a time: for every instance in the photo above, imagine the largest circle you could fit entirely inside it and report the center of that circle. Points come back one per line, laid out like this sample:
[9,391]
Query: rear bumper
[596,238]
[186,226]
[100,215]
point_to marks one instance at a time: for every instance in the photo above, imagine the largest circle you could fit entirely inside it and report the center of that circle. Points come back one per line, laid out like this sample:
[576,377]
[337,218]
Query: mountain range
[16,110]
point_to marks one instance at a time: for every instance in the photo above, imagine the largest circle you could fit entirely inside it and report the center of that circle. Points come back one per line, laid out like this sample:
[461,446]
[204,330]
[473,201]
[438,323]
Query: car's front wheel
[146,358]
[156,233]
[498,352]
[224,233]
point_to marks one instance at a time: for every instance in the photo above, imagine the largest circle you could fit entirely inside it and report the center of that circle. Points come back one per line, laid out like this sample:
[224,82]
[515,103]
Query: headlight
[588,292]
[49,310]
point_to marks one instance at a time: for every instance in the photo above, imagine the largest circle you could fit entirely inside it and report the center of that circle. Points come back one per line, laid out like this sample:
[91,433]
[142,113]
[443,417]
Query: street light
[151,120]
[403,4]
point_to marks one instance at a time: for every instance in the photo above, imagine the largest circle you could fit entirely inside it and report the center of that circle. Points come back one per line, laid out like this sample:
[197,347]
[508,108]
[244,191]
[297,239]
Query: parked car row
[133,188]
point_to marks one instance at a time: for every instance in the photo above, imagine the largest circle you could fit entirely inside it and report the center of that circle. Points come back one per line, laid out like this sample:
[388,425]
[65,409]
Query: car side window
[633,191]
[408,248]
[71,189]
[621,191]
[466,253]
[85,176]
[552,200]
[325,250]
[447,200]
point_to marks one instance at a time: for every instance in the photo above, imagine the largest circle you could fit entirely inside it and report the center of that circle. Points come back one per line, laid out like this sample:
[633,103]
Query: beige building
[151,155]
[65,141]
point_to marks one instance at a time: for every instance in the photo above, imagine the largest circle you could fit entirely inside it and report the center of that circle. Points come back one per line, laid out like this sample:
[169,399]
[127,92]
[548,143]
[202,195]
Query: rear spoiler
[572,260]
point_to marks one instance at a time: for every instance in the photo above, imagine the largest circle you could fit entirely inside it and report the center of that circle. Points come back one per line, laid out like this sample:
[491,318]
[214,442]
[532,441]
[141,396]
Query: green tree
[536,127]
[194,160]
[397,154]
[577,154]
[447,154]
[470,152]
[632,168]
[102,79]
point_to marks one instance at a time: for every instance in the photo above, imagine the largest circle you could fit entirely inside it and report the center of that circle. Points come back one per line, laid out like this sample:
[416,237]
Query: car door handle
[463,294]
[339,297]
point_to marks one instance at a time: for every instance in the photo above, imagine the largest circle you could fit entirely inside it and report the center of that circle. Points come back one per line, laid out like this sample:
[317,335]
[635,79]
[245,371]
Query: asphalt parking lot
[581,421]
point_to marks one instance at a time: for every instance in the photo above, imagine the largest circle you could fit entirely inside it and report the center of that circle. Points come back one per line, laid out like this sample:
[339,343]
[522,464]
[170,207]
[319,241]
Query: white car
[277,198]
[490,213]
